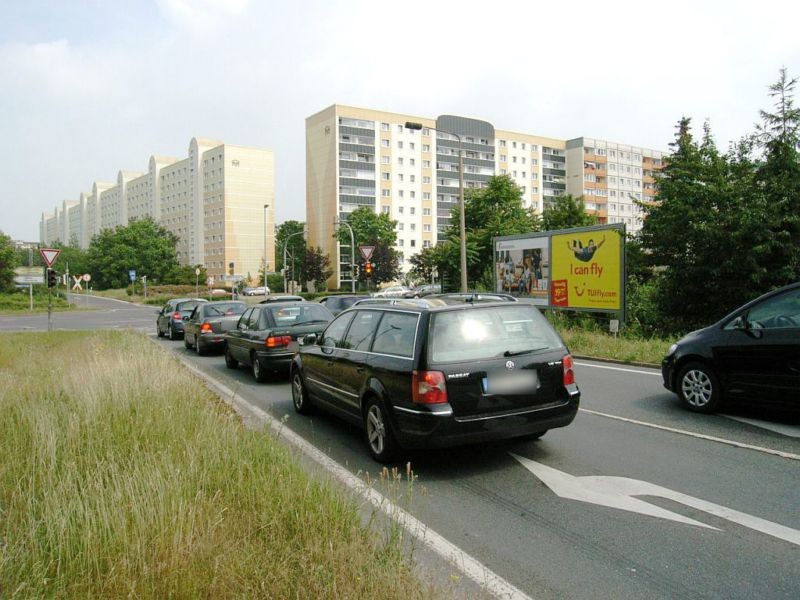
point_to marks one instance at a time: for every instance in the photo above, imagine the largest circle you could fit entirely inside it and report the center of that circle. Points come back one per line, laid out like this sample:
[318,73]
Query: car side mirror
[310,339]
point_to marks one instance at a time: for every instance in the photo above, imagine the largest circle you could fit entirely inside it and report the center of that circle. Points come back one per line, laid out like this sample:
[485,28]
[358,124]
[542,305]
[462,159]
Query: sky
[92,87]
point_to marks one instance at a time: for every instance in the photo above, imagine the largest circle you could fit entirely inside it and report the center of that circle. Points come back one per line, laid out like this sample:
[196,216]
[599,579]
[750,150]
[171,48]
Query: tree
[493,211]
[72,256]
[317,266]
[565,213]
[8,262]
[295,248]
[778,179]
[142,245]
[426,263]
[369,227]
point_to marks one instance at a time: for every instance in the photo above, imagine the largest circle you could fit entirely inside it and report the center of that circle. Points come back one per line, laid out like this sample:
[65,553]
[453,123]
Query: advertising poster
[586,271]
[522,268]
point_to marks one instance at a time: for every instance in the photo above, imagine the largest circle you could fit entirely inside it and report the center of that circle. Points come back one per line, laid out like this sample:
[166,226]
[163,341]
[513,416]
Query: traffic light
[368,269]
[230,268]
[52,278]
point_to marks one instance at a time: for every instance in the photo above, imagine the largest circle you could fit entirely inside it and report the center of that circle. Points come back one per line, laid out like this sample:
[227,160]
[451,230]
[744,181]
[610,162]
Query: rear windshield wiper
[518,352]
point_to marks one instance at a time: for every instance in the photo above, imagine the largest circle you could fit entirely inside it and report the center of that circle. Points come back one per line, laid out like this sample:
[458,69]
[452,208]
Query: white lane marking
[623,369]
[787,430]
[616,492]
[471,567]
[700,436]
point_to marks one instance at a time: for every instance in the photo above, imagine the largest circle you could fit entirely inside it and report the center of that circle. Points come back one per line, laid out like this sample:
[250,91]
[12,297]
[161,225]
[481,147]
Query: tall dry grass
[122,476]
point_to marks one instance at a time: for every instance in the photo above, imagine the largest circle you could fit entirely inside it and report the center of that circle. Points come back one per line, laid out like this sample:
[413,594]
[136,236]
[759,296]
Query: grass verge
[19,302]
[123,476]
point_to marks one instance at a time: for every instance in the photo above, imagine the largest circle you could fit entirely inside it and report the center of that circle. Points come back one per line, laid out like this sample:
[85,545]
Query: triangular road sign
[49,255]
[366,251]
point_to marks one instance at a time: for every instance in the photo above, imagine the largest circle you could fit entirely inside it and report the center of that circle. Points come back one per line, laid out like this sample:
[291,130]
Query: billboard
[580,269]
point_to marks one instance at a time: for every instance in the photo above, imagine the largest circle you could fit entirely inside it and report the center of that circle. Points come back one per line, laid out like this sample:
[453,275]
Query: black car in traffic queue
[418,373]
[205,328]
[267,335]
[170,318]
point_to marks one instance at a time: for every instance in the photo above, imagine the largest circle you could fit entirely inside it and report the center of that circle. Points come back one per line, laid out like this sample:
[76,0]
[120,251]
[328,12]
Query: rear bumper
[276,361]
[428,430]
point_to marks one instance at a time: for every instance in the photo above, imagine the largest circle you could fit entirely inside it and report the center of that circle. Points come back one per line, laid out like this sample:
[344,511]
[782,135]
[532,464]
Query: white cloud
[201,16]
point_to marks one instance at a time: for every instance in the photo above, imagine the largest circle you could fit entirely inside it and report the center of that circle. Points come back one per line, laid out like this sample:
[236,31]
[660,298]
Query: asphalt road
[636,499]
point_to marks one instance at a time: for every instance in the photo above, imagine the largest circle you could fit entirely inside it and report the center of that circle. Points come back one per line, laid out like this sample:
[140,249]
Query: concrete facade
[213,201]
[365,157]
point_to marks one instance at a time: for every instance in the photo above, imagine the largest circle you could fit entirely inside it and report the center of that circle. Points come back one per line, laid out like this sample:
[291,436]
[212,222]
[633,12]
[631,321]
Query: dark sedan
[206,326]
[170,318]
[267,335]
[338,303]
[751,355]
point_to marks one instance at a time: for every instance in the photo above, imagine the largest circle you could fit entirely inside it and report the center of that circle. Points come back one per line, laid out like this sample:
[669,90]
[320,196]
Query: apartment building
[219,201]
[365,157]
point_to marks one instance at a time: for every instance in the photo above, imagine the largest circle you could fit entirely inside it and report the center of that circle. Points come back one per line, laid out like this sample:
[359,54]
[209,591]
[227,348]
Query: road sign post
[49,255]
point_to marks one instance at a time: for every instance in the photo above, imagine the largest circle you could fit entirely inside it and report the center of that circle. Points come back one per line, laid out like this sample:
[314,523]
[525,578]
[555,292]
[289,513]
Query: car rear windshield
[188,305]
[229,308]
[489,332]
[304,313]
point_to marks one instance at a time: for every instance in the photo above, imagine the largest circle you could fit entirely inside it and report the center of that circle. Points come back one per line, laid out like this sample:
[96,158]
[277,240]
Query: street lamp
[339,222]
[266,206]
[462,228]
[285,245]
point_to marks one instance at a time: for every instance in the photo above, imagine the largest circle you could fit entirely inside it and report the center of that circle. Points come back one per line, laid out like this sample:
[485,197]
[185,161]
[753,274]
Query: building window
[502,143]
[386,193]
[384,127]
[400,160]
[426,164]
[426,195]
[426,212]
[384,143]
[400,130]
[385,160]
[386,176]
[426,147]
[400,145]
[426,179]
[426,228]
[386,209]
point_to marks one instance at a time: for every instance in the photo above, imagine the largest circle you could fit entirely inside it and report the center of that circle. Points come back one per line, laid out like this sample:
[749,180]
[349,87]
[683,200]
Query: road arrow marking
[617,492]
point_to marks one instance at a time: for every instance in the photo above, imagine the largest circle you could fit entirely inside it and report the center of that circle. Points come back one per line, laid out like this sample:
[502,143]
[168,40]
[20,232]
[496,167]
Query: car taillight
[428,387]
[205,328]
[569,374]
[176,316]
[278,341]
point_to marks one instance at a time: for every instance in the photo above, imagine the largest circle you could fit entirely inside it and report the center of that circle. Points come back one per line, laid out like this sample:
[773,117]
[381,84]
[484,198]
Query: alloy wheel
[697,388]
[376,429]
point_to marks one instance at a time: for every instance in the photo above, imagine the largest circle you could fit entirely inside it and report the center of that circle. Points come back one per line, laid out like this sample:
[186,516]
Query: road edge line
[701,436]
[449,552]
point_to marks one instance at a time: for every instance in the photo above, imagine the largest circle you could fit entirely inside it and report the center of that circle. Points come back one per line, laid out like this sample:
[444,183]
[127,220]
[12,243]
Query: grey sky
[92,87]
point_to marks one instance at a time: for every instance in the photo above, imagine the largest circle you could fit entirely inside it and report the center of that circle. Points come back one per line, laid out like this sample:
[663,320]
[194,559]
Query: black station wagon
[427,374]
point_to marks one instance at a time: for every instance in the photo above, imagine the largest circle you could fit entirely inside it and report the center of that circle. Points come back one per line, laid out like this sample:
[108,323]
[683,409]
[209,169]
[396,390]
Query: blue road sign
[132,275]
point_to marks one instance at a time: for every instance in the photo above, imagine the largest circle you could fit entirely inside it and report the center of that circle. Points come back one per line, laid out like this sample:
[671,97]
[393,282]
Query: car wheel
[159,333]
[171,333]
[378,433]
[698,388]
[186,343]
[299,396]
[199,347]
[230,362]
[259,374]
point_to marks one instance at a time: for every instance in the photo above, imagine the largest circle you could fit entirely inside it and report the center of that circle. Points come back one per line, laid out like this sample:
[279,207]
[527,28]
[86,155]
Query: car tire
[300,399]
[698,388]
[230,362]
[159,333]
[378,433]
[259,374]
[199,347]
[171,334]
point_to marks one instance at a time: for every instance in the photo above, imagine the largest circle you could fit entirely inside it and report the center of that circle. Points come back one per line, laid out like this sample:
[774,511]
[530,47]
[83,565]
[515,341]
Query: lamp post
[266,206]
[339,222]
[285,245]
[462,228]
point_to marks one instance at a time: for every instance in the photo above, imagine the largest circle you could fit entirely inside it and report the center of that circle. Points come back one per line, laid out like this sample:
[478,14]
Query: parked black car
[170,318]
[205,328]
[751,355]
[267,335]
[474,297]
[415,373]
[338,303]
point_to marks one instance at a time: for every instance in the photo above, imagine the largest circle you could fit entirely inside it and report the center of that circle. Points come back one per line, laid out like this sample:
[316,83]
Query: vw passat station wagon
[428,373]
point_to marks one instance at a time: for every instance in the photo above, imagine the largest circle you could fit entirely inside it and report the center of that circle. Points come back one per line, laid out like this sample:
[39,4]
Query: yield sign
[49,255]
[366,251]
[621,492]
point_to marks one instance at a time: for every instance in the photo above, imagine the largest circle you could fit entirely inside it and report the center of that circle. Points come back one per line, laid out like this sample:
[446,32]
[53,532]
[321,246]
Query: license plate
[511,383]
